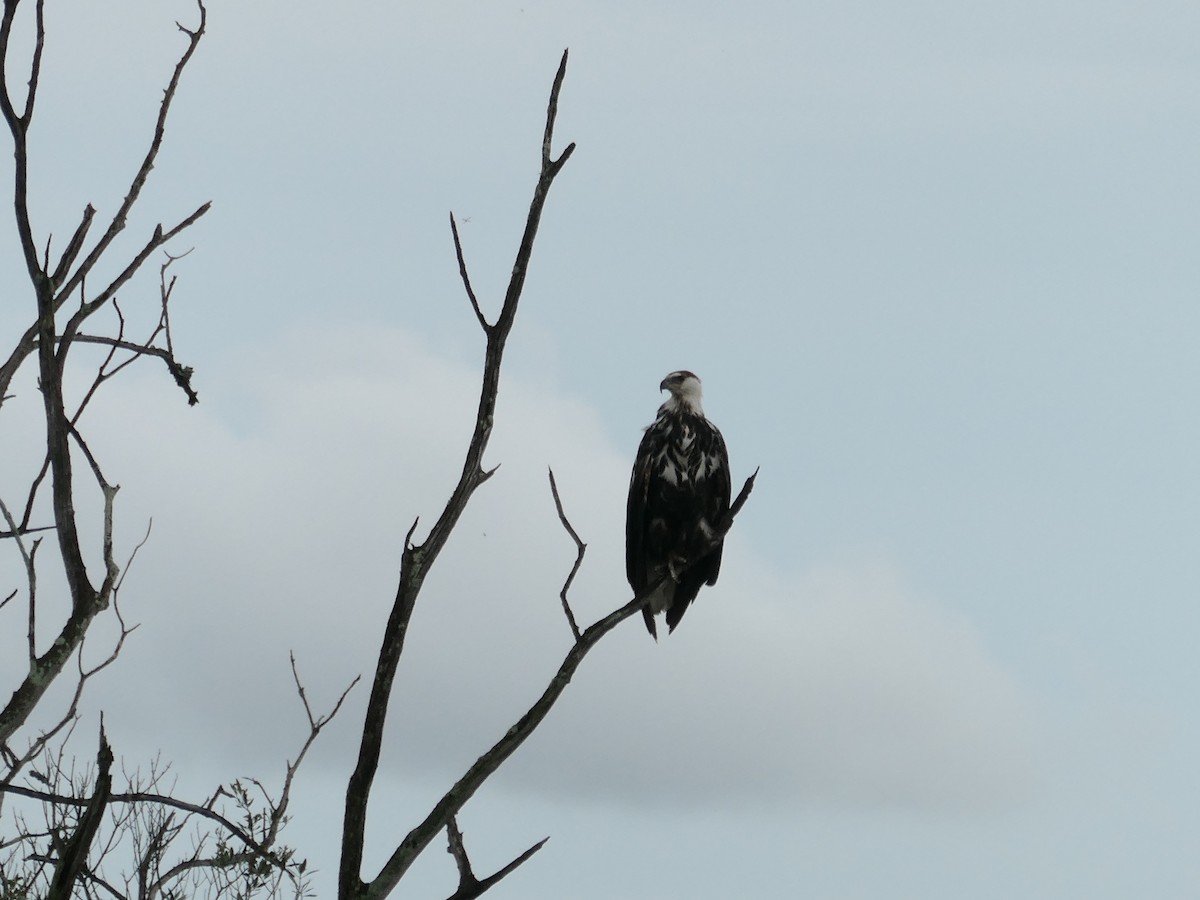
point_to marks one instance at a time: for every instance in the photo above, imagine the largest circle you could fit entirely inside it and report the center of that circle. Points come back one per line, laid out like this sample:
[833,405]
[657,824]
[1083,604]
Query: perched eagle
[678,494]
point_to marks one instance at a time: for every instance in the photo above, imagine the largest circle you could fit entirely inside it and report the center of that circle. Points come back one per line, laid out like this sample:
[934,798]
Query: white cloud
[283,532]
[836,688]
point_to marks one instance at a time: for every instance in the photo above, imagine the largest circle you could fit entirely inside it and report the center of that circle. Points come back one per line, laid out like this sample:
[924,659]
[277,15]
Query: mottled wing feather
[635,517]
[635,527]
[712,496]
[719,495]
[664,512]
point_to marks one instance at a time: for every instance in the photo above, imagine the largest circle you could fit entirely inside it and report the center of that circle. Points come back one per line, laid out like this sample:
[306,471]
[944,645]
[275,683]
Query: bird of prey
[678,495]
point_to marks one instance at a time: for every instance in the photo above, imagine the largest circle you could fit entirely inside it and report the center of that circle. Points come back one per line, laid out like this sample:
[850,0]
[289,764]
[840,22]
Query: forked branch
[416,559]
[120,217]
[484,767]
[51,286]
[469,886]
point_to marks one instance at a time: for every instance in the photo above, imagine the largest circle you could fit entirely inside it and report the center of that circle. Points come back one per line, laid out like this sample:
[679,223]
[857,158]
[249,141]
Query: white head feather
[685,392]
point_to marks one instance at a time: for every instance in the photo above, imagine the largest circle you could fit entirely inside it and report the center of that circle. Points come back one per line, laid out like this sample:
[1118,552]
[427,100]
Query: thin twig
[148,797]
[580,547]
[133,555]
[466,278]
[27,557]
[315,724]
[259,840]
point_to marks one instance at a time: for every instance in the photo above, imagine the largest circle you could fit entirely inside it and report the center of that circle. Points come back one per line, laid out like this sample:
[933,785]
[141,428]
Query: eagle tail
[675,613]
[649,617]
[685,593]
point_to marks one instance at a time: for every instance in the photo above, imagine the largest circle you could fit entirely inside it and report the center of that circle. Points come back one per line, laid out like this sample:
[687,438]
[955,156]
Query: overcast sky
[936,263]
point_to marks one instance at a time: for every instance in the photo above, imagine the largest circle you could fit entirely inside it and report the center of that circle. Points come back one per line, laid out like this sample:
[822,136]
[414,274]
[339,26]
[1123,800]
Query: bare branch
[95,466]
[466,878]
[181,374]
[149,797]
[483,768]
[27,557]
[45,668]
[22,530]
[51,291]
[736,506]
[18,125]
[580,547]
[469,886]
[551,117]
[315,724]
[165,290]
[71,253]
[35,66]
[416,559]
[156,240]
[102,373]
[59,285]
[69,717]
[21,350]
[117,225]
[132,556]
[466,279]
[73,859]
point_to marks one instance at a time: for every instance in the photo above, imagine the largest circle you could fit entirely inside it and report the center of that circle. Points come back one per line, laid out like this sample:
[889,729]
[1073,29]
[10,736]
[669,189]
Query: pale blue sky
[936,264]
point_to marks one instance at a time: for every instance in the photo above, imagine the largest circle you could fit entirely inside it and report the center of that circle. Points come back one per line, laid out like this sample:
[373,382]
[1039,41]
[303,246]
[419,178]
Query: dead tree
[416,561]
[79,820]
[228,843]
[64,313]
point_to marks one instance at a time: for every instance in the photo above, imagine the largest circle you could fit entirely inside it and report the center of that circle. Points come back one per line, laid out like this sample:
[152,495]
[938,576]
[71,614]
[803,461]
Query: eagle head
[685,390]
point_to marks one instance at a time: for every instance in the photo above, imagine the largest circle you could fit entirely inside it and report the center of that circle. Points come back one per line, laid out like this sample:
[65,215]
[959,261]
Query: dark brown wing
[717,501]
[636,565]
[635,516]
